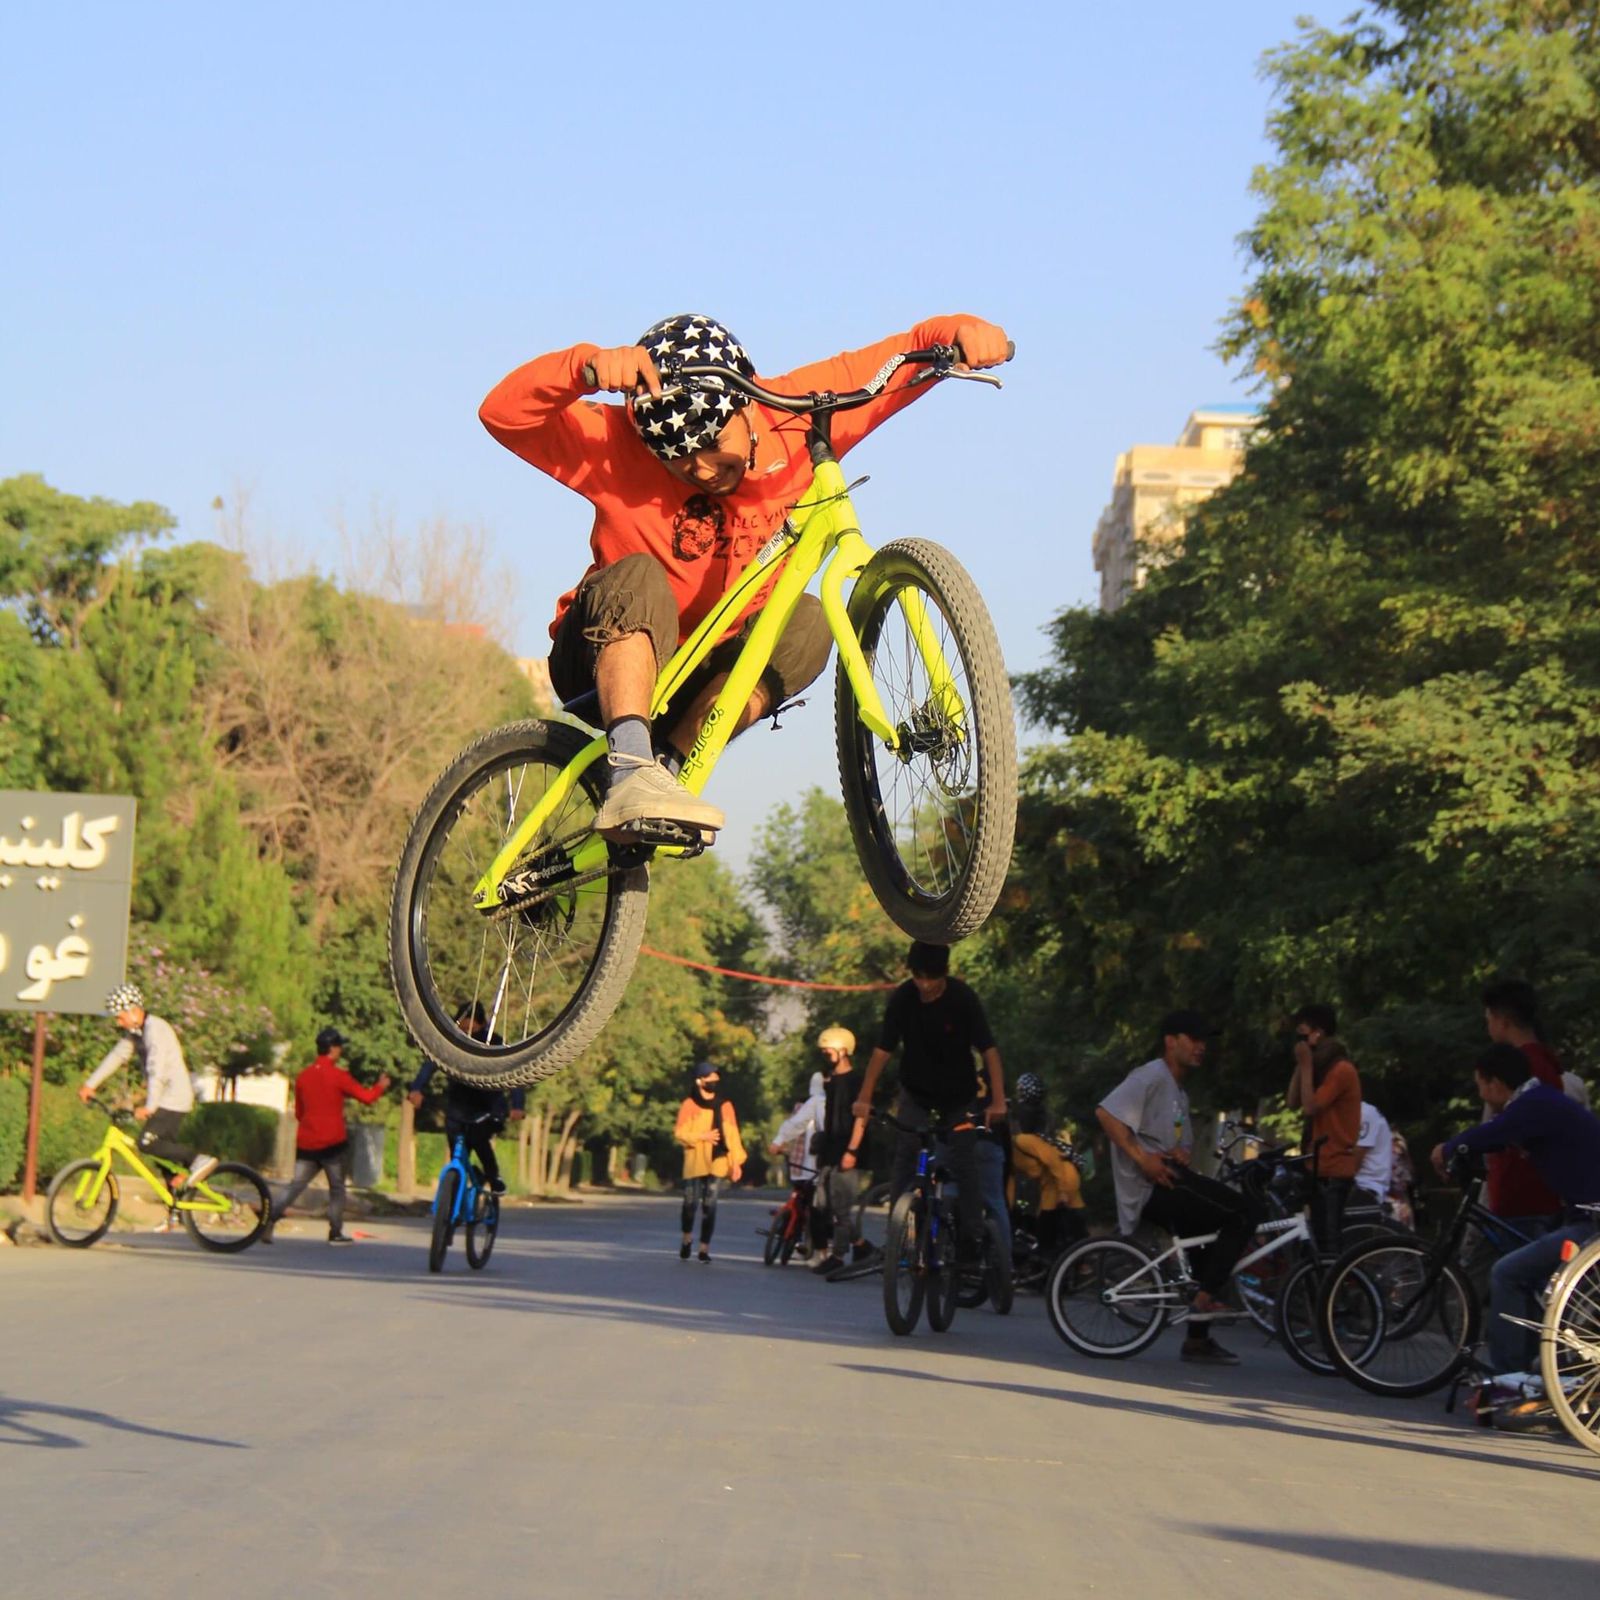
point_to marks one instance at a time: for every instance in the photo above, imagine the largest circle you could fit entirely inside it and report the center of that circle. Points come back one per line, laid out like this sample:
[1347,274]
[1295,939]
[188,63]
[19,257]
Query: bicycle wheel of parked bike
[236,1204]
[444,1210]
[1569,1347]
[1410,1331]
[1297,1329]
[777,1236]
[548,976]
[933,820]
[482,1229]
[1106,1298]
[944,1280]
[905,1256]
[992,1281]
[73,1215]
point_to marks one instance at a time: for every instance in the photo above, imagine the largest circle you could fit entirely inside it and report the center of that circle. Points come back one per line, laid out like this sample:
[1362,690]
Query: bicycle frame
[1288,1231]
[117,1143]
[821,533]
[466,1190]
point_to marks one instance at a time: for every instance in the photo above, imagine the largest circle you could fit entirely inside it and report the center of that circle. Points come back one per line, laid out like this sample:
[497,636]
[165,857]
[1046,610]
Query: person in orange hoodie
[689,479]
[708,1130]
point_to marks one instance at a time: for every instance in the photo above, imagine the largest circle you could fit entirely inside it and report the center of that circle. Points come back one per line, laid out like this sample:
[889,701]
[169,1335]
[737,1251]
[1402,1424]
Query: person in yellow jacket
[1036,1153]
[708,1130]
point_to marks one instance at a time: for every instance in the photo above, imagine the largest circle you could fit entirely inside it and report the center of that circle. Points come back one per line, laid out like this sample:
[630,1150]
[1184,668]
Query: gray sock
[630,736]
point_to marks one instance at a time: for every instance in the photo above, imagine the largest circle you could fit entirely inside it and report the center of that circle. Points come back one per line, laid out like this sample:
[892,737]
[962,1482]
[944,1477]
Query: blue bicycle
[463,1198]
[920,1250]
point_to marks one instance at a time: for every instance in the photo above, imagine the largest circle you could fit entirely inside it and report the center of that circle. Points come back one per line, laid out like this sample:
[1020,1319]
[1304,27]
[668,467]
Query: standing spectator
[169,1095]
[1375,1147]
[321,1137]
[708,1130]
[471,1111]
[839,1139]
[1515,1191]
[796,1141]
[1146,1117]
[940,1023]
[1036,1153]
[1327,1088]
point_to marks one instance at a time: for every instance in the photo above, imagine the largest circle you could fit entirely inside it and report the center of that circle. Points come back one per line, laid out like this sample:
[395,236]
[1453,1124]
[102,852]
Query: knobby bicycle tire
[244,1222]
[936,859]
[444,1210]
[904,1263]
[60,1205]
[1298,1328]
[1074,1298]
[549,976]
[1426,1321]
[999,1272]
[1569,1347]
[777,1236]
[482,1229]
[944,1279]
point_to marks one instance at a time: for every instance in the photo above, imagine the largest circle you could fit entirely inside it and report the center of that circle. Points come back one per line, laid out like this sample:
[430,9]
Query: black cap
[1189,1022]
[329,1037]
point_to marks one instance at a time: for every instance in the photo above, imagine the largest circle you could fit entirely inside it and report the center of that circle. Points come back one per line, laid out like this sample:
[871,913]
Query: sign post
[66,875]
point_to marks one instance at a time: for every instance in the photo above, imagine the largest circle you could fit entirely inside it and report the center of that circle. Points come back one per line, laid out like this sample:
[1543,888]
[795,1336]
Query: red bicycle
[790,1226]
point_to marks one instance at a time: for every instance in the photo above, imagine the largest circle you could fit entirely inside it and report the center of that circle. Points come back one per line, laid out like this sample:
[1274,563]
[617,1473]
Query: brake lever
[934,374]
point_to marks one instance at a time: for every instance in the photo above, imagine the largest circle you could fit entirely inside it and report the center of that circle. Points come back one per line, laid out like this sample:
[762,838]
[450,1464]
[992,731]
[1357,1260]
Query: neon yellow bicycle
[227,1210]
[506,895]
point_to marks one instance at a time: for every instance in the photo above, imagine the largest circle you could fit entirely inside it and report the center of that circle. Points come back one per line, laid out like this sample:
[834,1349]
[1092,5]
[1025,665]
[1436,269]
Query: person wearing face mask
[689,479]
[708,1130]
[169,1095]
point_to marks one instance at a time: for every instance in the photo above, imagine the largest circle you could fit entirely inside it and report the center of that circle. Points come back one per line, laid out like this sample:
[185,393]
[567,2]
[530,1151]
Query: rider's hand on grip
[627,369]
[982,344]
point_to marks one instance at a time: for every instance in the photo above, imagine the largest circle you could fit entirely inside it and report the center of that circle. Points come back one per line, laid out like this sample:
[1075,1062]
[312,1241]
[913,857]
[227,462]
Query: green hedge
[13,1129]
[432,1153]
[67,1129]
[233,1132]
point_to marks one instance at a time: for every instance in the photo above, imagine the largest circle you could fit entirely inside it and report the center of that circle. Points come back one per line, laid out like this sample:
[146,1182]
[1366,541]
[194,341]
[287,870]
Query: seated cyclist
[688,479]
[471,1112]
[1037,1151]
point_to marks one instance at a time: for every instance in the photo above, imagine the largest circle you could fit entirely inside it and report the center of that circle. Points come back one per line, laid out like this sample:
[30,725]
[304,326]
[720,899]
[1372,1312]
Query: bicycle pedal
[654,832]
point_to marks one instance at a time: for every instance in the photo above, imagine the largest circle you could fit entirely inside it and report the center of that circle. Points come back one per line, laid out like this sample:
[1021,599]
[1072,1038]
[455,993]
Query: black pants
[701,1192]
[959,1156]
[159,1137]
[1327,1212]
[307,1164]
[1195,1204]
[480,1141]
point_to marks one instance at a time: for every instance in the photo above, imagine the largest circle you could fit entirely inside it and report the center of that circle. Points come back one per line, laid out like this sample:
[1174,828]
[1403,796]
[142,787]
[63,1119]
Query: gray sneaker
[644,791]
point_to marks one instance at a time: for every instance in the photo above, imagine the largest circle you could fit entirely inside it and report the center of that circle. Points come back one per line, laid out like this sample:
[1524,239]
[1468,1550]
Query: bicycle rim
[1569,1348]
[904,1259]
[1409,1330]
[229,1210]
[933,821]
[76,1212]
[1106,1299]
[483,1229]
[548,977]
[944,1279]
[777,1236]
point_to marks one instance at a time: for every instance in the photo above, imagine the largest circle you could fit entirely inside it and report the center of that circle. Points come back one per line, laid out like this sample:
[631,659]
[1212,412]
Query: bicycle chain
[624,859]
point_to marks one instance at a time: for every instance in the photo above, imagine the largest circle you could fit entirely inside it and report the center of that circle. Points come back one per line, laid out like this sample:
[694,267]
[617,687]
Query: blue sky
[288,249]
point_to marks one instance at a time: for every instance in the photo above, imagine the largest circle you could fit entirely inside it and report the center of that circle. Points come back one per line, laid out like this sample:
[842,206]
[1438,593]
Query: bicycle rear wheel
[1569,1347]
[1409,1330]
[1298,1330]
[444,1212]
[1106,1298]
[777,1235]
[228,1211]
[943,1271]
[933,821]
[548,976]
[483,1228]
[75,1211]
[905,1255]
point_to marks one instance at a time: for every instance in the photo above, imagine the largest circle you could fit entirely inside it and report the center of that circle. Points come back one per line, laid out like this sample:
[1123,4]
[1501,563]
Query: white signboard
[66,872]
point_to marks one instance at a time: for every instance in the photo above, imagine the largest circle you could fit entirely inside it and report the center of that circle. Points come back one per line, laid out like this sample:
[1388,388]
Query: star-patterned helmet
[125,997]
[1029,1090]
[690,413]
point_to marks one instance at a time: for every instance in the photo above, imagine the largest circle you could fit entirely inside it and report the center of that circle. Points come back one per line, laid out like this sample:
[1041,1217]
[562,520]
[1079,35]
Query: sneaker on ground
[1208,1353]
[644,791]
[863,1252]
[202,1169]
[824,1265]
[340,1238]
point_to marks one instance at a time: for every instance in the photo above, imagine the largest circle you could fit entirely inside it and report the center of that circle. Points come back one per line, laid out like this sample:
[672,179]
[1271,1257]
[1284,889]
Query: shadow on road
[14,1431]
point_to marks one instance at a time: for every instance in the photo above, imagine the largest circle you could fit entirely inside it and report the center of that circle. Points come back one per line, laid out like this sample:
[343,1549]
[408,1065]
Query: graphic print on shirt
[698,528]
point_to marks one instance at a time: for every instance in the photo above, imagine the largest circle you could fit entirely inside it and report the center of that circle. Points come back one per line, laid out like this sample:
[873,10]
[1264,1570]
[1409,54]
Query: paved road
[592,1417]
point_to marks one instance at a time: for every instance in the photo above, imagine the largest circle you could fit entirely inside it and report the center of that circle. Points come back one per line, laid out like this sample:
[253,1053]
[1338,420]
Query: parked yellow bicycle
[227,1210]
[506,895]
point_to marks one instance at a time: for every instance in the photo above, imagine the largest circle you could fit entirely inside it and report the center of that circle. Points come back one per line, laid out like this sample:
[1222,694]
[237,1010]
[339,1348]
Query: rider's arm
[425,1072]
[365,1093]
[794,1126]
[876,1062]
[539,412]
[997,1082]
[120,1052]
[1121,1135]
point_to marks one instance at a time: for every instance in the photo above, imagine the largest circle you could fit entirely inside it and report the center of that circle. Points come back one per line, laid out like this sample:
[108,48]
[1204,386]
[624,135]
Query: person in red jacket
[321,1136]
[688,479]
[1515,1189]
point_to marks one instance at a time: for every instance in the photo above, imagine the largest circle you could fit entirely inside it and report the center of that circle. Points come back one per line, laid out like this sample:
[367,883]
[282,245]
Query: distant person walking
[322,1138]
[708,1130]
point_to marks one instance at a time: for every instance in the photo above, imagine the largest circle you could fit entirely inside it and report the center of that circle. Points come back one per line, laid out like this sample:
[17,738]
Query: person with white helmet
[689,480]
[839,1135]
[169,1095]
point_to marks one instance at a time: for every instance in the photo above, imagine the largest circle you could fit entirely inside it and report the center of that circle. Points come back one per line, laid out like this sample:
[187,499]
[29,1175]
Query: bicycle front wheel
[1299,1331]
[905,1255]
[1408,1329]
[483,1228]
[444,1218]
[933,820]
[1105,1298]
[944,1281]
[1569,1347]
[548,976]
[229,1210]
[777,1235]
[79,1209]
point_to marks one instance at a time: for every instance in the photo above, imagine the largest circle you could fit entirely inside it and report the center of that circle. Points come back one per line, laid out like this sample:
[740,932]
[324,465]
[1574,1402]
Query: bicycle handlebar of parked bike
[943,1122]
[943,358]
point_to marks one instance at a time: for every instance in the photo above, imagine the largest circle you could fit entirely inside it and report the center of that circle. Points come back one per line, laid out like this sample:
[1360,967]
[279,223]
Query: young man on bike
[321,1136]
[688,479]
[471,1112]
[1146,1117]
[938,1023]
[169,1095]
[1562,1142]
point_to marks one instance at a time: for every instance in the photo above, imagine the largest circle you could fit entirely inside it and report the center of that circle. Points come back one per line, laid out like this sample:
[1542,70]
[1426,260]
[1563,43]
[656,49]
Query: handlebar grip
[961,356]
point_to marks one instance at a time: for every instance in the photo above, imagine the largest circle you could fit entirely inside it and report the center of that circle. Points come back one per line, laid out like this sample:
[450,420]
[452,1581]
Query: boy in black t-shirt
[937,1022]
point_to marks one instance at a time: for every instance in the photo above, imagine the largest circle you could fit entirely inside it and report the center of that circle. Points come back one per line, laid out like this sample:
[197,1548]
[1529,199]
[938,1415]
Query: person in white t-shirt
[1375,1146]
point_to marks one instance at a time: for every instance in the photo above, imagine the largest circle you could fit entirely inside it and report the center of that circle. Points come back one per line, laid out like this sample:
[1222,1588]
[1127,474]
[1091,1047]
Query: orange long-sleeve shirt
[541,412]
